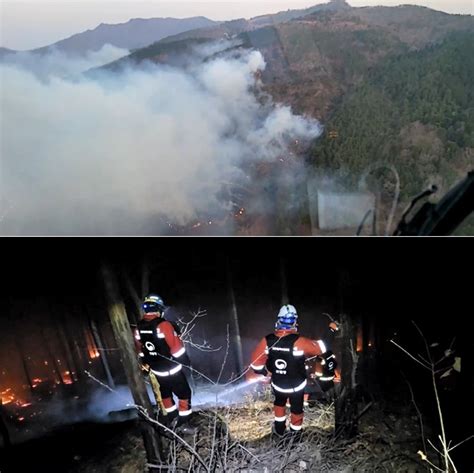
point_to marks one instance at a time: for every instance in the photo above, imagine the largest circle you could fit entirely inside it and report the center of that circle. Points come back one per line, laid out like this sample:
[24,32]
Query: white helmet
[287,317]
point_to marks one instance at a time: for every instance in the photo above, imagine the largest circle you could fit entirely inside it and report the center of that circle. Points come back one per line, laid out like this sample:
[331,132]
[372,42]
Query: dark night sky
[407,278]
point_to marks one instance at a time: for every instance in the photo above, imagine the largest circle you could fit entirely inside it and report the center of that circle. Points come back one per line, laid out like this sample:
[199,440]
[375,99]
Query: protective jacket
[283,354]
[159,345]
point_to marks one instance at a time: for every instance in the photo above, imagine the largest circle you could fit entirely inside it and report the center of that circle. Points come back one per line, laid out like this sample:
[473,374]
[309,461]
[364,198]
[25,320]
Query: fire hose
[155,386]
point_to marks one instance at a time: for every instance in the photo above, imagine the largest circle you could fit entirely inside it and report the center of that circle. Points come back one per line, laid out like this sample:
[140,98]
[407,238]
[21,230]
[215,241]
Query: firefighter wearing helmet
[161,348]
[322,369]
[283,354]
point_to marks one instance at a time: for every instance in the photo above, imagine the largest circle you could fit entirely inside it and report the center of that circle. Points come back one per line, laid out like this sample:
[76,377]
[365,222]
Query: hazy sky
[35,23]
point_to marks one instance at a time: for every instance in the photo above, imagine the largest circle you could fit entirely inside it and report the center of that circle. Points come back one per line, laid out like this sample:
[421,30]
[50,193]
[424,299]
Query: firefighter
[161,348]
[283,354]
[322,369]
[326,371]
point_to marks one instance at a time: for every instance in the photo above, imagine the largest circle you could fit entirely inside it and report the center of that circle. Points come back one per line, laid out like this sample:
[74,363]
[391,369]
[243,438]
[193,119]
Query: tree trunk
[52,358]
[135,297]
[14,322]
[24,362]
[364,371]
[346,403]
[80,353]
[71,336]
[235,321]
[103,354]
[76,329]
[124,338]
[65,343]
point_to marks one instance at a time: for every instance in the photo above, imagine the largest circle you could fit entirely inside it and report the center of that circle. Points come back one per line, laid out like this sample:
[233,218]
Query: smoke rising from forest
[127,152]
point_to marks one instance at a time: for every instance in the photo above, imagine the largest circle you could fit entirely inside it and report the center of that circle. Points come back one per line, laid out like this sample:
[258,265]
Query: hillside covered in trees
[389,84]
[415,111]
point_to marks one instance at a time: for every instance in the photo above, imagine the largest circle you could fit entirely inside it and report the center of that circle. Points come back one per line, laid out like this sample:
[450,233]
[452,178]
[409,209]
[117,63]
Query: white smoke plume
[123,152]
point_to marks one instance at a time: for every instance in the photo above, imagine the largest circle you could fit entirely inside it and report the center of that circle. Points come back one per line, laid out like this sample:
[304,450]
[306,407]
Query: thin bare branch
[460,443]
[411,356]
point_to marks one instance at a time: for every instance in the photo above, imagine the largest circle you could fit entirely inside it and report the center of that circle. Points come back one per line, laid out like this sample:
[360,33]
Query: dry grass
[253,422]
[238,439]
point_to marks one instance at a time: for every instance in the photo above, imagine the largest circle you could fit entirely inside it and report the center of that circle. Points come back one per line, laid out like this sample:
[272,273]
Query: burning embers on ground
[17,409]
[9,397]
[24,402]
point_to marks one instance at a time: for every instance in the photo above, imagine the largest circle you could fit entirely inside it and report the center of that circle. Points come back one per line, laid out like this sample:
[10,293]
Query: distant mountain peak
[133,34]
[338,5]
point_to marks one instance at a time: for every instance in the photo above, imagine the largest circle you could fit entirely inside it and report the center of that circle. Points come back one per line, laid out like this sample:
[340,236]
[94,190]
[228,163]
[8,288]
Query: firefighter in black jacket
[283,354]
[161,348]
[322,369]
[326,372]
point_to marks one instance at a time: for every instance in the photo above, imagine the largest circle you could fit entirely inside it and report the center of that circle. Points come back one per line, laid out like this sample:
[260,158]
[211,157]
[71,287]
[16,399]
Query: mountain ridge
[133,34]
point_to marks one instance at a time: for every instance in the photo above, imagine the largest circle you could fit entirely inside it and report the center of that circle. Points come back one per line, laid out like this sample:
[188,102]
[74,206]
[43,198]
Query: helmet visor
[286,322]
[151,307]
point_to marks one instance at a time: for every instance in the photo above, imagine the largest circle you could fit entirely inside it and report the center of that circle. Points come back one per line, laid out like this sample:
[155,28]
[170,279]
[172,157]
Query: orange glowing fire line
[8,397]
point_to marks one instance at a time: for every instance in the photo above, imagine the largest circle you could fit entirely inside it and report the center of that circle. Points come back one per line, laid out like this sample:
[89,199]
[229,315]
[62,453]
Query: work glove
[334,327]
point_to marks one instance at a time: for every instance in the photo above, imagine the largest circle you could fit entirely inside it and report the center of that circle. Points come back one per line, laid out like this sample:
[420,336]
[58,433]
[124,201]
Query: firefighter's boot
[184,425]
[279,429]
[295,435]
[171,419]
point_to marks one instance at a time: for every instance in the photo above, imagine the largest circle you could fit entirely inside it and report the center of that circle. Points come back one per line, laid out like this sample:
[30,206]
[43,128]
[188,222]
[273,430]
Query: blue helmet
[287,318]
[153,303]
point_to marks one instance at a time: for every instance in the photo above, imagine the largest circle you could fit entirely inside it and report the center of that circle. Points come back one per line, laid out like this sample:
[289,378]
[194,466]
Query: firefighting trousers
[296,409]
[178,385]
